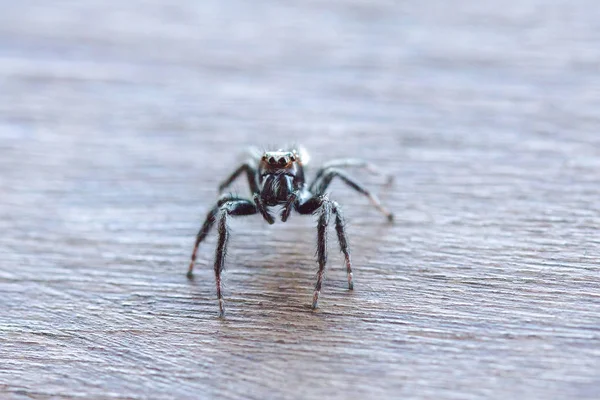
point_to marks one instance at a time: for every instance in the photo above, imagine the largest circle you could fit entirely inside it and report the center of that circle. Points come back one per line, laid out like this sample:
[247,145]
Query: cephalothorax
[276,178]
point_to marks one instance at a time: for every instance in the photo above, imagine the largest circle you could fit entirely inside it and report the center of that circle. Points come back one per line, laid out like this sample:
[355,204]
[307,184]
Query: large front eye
[272,161]
[282,161]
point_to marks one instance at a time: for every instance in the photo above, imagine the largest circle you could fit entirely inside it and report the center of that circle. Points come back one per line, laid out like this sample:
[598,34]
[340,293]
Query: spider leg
[321,249]
[350,162]
[233,207]
[324,206]
[332,173]
[340,225]
[250,171]
[206,227]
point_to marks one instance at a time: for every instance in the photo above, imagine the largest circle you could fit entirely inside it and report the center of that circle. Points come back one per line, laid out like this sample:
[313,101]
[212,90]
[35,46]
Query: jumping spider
[276,178]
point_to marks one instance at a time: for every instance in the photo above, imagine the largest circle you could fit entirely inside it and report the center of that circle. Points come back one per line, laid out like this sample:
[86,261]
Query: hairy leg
[332,173]
[323,206]
[353,163]
[206,226]
[321,249]
[250,171]
[340,228]
[235,207]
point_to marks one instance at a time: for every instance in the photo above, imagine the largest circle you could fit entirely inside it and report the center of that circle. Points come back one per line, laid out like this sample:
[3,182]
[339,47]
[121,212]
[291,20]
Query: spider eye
[272,160]
[293,158]
[282,161]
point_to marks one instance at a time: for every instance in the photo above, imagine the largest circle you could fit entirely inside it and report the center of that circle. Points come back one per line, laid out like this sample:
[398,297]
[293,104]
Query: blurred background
[119,119]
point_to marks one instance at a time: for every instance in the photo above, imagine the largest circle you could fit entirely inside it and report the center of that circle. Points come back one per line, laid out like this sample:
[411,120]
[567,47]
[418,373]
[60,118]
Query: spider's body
[280,174]
[277,179]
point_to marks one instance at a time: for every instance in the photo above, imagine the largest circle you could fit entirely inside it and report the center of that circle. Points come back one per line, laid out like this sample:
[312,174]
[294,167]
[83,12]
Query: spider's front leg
[238,207]
[228,206]
[321,248]
[206,227]
[340,228]
[326,207]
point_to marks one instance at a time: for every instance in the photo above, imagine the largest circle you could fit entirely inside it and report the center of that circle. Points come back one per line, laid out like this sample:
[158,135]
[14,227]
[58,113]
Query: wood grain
[118,120]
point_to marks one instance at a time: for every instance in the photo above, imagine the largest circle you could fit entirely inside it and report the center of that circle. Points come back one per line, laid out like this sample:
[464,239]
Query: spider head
[280,159]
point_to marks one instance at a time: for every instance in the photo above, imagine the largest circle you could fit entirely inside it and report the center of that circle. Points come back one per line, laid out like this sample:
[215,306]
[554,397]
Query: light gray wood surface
[118,120]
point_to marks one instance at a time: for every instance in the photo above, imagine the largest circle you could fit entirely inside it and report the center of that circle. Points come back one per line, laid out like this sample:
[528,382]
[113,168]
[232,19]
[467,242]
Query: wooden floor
[119,119]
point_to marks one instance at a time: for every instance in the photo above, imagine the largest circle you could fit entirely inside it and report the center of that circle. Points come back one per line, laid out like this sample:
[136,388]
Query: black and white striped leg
[323,206]
[250,175]
[352,163]
[206,227]
[325,212]
[340,228]
[332,173]
[235,207]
